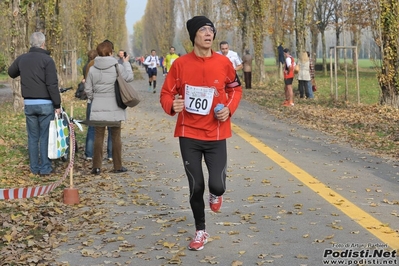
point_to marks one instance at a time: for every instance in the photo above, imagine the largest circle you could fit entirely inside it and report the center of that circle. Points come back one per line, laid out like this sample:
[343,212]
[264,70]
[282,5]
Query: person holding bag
[100,90]
[89,145]
[42,99]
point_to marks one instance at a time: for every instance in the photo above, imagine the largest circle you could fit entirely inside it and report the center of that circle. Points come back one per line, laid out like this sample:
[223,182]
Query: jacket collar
[38,50]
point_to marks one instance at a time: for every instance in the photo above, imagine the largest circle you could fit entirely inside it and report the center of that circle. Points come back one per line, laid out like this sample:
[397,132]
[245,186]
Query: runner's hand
[223,114]
[178,104]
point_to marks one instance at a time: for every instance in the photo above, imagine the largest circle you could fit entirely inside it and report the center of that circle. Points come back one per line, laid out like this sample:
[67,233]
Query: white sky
[135,11]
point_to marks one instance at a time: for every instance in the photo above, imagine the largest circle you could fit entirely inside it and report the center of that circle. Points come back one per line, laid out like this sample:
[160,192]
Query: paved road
[293,196]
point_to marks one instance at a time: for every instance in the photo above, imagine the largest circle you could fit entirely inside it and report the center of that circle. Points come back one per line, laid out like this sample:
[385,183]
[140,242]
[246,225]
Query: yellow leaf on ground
[8,238]
[168,244]
[59,211]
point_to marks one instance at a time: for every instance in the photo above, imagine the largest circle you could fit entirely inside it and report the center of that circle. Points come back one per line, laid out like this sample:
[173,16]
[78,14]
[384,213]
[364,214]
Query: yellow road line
[386,234]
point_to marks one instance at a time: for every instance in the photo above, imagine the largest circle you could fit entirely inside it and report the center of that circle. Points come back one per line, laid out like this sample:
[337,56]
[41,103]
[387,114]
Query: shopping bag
[129,95]
[52,141]
[58,137]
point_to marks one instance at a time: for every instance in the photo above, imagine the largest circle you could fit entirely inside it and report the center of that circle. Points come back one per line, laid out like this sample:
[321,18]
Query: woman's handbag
[58,138]
[296,69]
[118,96]
[314,86]
[128,94]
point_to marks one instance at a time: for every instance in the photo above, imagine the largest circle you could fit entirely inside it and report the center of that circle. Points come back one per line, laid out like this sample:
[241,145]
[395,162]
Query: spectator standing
[89,144]
[100,90]
[42,100]
[304,75]
[231,55]
[207,79]
[152,62]
[288,78]
[247,68]
[121,55]
[170,58]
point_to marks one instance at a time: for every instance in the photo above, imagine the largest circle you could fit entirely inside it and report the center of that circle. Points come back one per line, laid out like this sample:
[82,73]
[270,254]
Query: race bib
[198,100]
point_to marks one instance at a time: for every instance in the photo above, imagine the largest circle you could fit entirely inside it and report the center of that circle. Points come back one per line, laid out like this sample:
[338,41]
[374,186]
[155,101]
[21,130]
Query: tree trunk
[277,34]
[389,98]
[300,14]
[356,42]
[323,44]
[19,26]
[259,9]
[315,42]
[389,75]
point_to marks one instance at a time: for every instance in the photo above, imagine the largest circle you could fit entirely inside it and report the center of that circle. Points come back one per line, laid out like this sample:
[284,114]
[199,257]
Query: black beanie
[197,22]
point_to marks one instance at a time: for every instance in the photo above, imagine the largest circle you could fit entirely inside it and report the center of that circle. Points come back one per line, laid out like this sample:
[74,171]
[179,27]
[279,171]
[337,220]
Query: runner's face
[172,50]
[204,37]
[224,48]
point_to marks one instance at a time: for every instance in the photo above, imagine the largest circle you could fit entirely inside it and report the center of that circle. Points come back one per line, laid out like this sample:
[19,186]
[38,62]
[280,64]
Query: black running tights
[215,156]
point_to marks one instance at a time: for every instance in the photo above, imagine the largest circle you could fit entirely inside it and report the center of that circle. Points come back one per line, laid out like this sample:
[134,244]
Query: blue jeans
[89,150]
[309,95]
[38,117]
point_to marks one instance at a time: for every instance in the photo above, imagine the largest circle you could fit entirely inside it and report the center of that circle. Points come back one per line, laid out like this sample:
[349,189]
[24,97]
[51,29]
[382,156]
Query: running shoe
[288,104]
[215,202]
[200,239]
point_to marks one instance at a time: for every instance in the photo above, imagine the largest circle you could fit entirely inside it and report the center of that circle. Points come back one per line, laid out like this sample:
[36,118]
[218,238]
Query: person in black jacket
[42,100]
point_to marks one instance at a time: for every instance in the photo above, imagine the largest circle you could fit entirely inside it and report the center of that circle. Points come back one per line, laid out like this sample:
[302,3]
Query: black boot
[96,171]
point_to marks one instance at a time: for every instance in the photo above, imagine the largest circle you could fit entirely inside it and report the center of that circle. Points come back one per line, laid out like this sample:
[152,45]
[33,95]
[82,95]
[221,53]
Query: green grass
[14,133]
[369,89]
[363,63]
[14,159]
[3,76]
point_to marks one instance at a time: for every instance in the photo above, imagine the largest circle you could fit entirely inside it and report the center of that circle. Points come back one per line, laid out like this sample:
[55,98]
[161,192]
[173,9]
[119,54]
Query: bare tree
[241,10]
[324,11]
[358,20]
[281,23]
[337,20]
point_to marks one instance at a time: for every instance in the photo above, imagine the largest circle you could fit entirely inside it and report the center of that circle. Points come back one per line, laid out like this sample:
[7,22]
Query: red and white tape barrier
[28,192]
